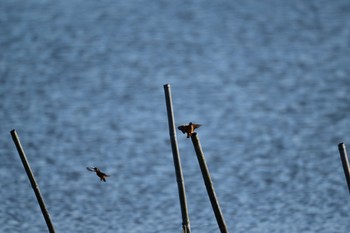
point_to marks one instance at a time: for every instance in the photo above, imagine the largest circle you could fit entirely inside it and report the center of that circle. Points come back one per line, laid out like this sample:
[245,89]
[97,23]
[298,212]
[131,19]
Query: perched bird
[189,129]
[98,173]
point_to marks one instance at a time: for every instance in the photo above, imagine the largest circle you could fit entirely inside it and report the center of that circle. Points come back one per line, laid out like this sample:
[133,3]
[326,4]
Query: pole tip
[12,131]
[341,145]
[166,85]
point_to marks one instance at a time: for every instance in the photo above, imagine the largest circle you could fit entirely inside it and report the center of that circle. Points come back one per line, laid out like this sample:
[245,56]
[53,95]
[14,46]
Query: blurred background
[82,83]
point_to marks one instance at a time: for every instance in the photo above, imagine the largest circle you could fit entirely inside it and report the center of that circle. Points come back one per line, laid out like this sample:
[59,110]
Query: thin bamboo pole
[34,184]
[208,184]
[177,161]
[345,162]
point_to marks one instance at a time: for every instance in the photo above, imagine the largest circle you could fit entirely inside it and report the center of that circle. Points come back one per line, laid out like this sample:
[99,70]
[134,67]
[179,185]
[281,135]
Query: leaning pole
[32,180]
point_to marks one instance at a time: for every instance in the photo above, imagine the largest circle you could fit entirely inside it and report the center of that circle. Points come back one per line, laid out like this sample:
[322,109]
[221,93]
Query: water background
[82,83]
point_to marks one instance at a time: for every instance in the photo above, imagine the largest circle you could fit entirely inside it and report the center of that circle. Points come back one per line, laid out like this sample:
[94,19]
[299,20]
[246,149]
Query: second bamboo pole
[208,184]
[345,162]
[32,180]
[177,162]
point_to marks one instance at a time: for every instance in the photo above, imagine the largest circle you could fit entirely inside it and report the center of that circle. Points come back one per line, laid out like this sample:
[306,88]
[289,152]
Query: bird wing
[195,126]
[182,128]
[90,169]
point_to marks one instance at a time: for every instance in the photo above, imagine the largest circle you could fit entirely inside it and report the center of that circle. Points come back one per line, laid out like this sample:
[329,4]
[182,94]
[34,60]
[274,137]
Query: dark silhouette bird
[98,173]
[189,129]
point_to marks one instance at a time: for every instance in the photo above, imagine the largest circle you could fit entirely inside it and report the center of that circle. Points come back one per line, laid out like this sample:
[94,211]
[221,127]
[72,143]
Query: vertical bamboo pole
[177,162]
[32,181]
[208,183]
[345,162]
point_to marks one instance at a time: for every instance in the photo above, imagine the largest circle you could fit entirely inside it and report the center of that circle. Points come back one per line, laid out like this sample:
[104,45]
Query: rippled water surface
[82,83]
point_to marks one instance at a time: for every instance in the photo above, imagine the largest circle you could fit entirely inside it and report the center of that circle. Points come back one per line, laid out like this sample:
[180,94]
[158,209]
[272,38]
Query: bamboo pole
[345,162]
[177,161]
[208,183]
[32,181]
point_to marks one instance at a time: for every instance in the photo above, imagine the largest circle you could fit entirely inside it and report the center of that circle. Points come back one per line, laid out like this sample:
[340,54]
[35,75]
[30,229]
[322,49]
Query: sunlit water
[82,83]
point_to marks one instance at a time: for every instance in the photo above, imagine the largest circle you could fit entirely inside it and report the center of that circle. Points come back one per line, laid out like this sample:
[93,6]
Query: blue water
[82,83]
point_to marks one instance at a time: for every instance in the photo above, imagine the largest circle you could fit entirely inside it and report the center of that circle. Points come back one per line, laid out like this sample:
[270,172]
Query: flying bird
[188,129]
[100,174]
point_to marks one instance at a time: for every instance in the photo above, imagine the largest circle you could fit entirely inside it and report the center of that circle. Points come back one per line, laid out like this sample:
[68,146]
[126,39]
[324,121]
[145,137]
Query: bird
[189,129]
[100,174]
